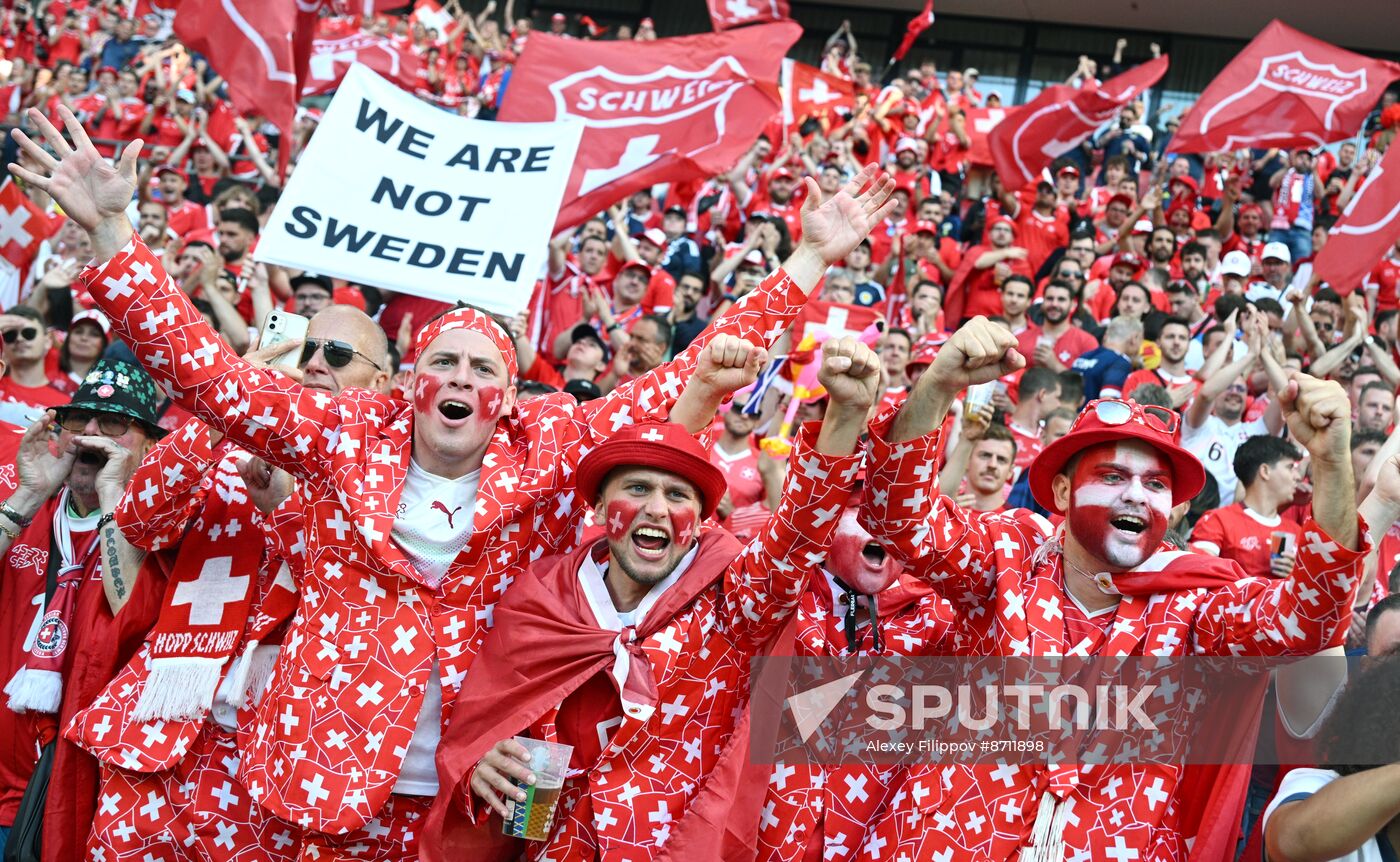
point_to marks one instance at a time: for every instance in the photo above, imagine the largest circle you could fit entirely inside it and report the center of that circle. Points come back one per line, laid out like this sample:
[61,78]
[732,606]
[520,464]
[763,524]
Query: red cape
[544,646]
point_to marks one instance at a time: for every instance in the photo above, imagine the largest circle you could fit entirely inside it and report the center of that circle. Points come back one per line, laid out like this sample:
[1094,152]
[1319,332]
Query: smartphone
[280,327]
[1282,544]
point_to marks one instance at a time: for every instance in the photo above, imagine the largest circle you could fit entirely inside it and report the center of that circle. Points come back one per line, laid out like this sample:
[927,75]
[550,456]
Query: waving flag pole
[915,28]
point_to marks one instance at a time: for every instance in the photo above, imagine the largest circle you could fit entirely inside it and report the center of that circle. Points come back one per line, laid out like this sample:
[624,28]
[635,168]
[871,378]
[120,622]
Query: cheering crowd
[297,600]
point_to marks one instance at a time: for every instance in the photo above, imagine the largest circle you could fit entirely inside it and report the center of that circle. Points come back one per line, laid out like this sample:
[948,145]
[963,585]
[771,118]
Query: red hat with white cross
[664,446]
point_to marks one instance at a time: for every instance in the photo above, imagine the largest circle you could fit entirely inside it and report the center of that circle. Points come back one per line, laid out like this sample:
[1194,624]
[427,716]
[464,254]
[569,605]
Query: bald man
[343,349]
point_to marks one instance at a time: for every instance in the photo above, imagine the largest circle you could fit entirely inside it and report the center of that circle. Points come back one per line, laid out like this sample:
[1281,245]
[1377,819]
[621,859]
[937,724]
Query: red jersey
[1040,235]
[185,217]
[741,472]
[1028,446]
[1243,535]
[1072,344]
[39,397]
[1384,279]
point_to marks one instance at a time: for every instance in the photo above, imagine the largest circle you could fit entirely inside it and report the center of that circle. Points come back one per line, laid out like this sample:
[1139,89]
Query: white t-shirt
[433,525]
[1303,783]
[1215,444]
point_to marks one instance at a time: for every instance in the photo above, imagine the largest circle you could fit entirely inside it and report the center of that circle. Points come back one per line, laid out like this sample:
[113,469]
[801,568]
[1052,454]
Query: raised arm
[830,230]
[260,410]
[168,488]
[1310,609]
[763,586]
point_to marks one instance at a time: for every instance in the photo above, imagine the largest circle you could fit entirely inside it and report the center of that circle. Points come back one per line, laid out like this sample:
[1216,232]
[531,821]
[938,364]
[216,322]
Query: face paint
[425,392]
[1120,503]
[489,400]
[621,515]
[682,525]
[857,559]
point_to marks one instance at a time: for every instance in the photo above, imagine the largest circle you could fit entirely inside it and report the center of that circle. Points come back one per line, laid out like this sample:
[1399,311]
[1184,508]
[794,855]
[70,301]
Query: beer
[532,818]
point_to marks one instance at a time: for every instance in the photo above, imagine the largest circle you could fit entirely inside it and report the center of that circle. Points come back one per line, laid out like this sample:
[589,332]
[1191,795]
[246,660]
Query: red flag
[246,42]
[1285,89]
[23,227]
[662,111]
[810,92]
[979,124]
[432,16]
[1369,226]
[836,319]
[332,58]
[917,25]
[1059,119]
[725,14]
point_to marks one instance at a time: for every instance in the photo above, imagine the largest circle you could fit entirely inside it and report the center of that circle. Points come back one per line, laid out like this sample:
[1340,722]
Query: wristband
[729,297]
[105,520]
[614,326]
[13,514]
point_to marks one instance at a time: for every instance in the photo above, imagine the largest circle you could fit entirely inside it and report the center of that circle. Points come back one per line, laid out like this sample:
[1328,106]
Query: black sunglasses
[110,424]
[28,333]
[338,354]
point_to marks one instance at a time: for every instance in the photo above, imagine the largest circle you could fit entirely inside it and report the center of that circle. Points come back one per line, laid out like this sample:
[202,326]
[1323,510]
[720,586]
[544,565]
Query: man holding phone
[1251,531]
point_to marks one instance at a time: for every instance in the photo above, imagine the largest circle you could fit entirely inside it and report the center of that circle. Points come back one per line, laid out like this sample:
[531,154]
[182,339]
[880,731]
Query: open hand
[41,472]
[85,184]
[834,227]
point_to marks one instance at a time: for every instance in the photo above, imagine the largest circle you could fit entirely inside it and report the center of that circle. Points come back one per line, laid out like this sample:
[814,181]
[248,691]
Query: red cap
[925,227]
[1188,476]
[1071,170]
[664,446]
[1244,208]
[754,258]
[906,144]
[1006,220]
[558,16]
[1125,200]
[783,174]
[636,264]
[1126,258]
[171,169]
[1188,181]
[349,296]
[656,236]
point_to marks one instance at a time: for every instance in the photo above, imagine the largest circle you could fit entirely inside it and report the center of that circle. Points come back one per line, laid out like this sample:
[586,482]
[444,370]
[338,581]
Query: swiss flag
[810,92]
[1368,228]
[332,58]
[670,110]
[1285,89]
[913,30]
[979,125]
[725,14]
[23,227]
[432,16]
[1059,119]
[833,319]
[246,42]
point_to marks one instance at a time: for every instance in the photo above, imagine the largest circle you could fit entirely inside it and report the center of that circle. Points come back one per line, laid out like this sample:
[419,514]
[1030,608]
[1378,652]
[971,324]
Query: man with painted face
[418,516]
[1103,583]
[605,648]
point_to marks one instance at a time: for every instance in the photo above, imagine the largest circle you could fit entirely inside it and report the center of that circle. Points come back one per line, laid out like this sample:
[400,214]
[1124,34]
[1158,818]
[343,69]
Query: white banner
[398,194]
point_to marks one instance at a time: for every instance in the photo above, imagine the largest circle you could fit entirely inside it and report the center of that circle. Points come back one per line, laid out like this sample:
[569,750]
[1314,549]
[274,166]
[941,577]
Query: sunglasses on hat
[338,354]
[1111,411]
[28,333]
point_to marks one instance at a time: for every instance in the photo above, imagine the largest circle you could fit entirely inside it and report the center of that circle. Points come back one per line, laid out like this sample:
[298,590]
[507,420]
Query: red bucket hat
[1109,419]
[664,446]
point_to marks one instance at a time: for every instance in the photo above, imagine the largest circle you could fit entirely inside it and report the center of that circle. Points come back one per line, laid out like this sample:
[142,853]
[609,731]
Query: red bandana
[469,318]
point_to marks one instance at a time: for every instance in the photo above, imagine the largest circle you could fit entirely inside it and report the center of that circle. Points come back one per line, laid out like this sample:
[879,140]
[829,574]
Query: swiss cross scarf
[205,606]
[545,646]
[38,685]
[1212,796]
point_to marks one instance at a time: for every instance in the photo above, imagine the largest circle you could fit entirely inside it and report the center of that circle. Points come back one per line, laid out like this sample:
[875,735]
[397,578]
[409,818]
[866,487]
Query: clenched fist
[728,363]
[850,373]
[979,352]
[1319,416]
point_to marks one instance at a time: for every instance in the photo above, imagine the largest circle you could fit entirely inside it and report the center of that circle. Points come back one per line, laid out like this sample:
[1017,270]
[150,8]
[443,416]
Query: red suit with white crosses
[171,789]
[333,728]
[660,763]
[832,812]
[1010,600]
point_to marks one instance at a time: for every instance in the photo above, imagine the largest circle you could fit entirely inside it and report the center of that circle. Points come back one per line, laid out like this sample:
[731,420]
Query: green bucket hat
[114,386]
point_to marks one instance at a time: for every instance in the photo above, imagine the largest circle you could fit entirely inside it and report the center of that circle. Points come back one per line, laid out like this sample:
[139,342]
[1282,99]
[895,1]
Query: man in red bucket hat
[634,649]
[1103,583]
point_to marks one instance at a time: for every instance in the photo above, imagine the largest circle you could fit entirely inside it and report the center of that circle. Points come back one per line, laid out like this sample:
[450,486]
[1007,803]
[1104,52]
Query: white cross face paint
[1120,502]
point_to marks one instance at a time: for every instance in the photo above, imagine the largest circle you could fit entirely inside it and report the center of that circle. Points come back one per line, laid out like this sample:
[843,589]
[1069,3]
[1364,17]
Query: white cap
[1278,251]
[1235,263]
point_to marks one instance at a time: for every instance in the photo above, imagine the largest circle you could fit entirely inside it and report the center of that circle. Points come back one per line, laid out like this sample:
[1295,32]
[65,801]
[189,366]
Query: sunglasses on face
[28,333]
[110,424]
[338,354]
